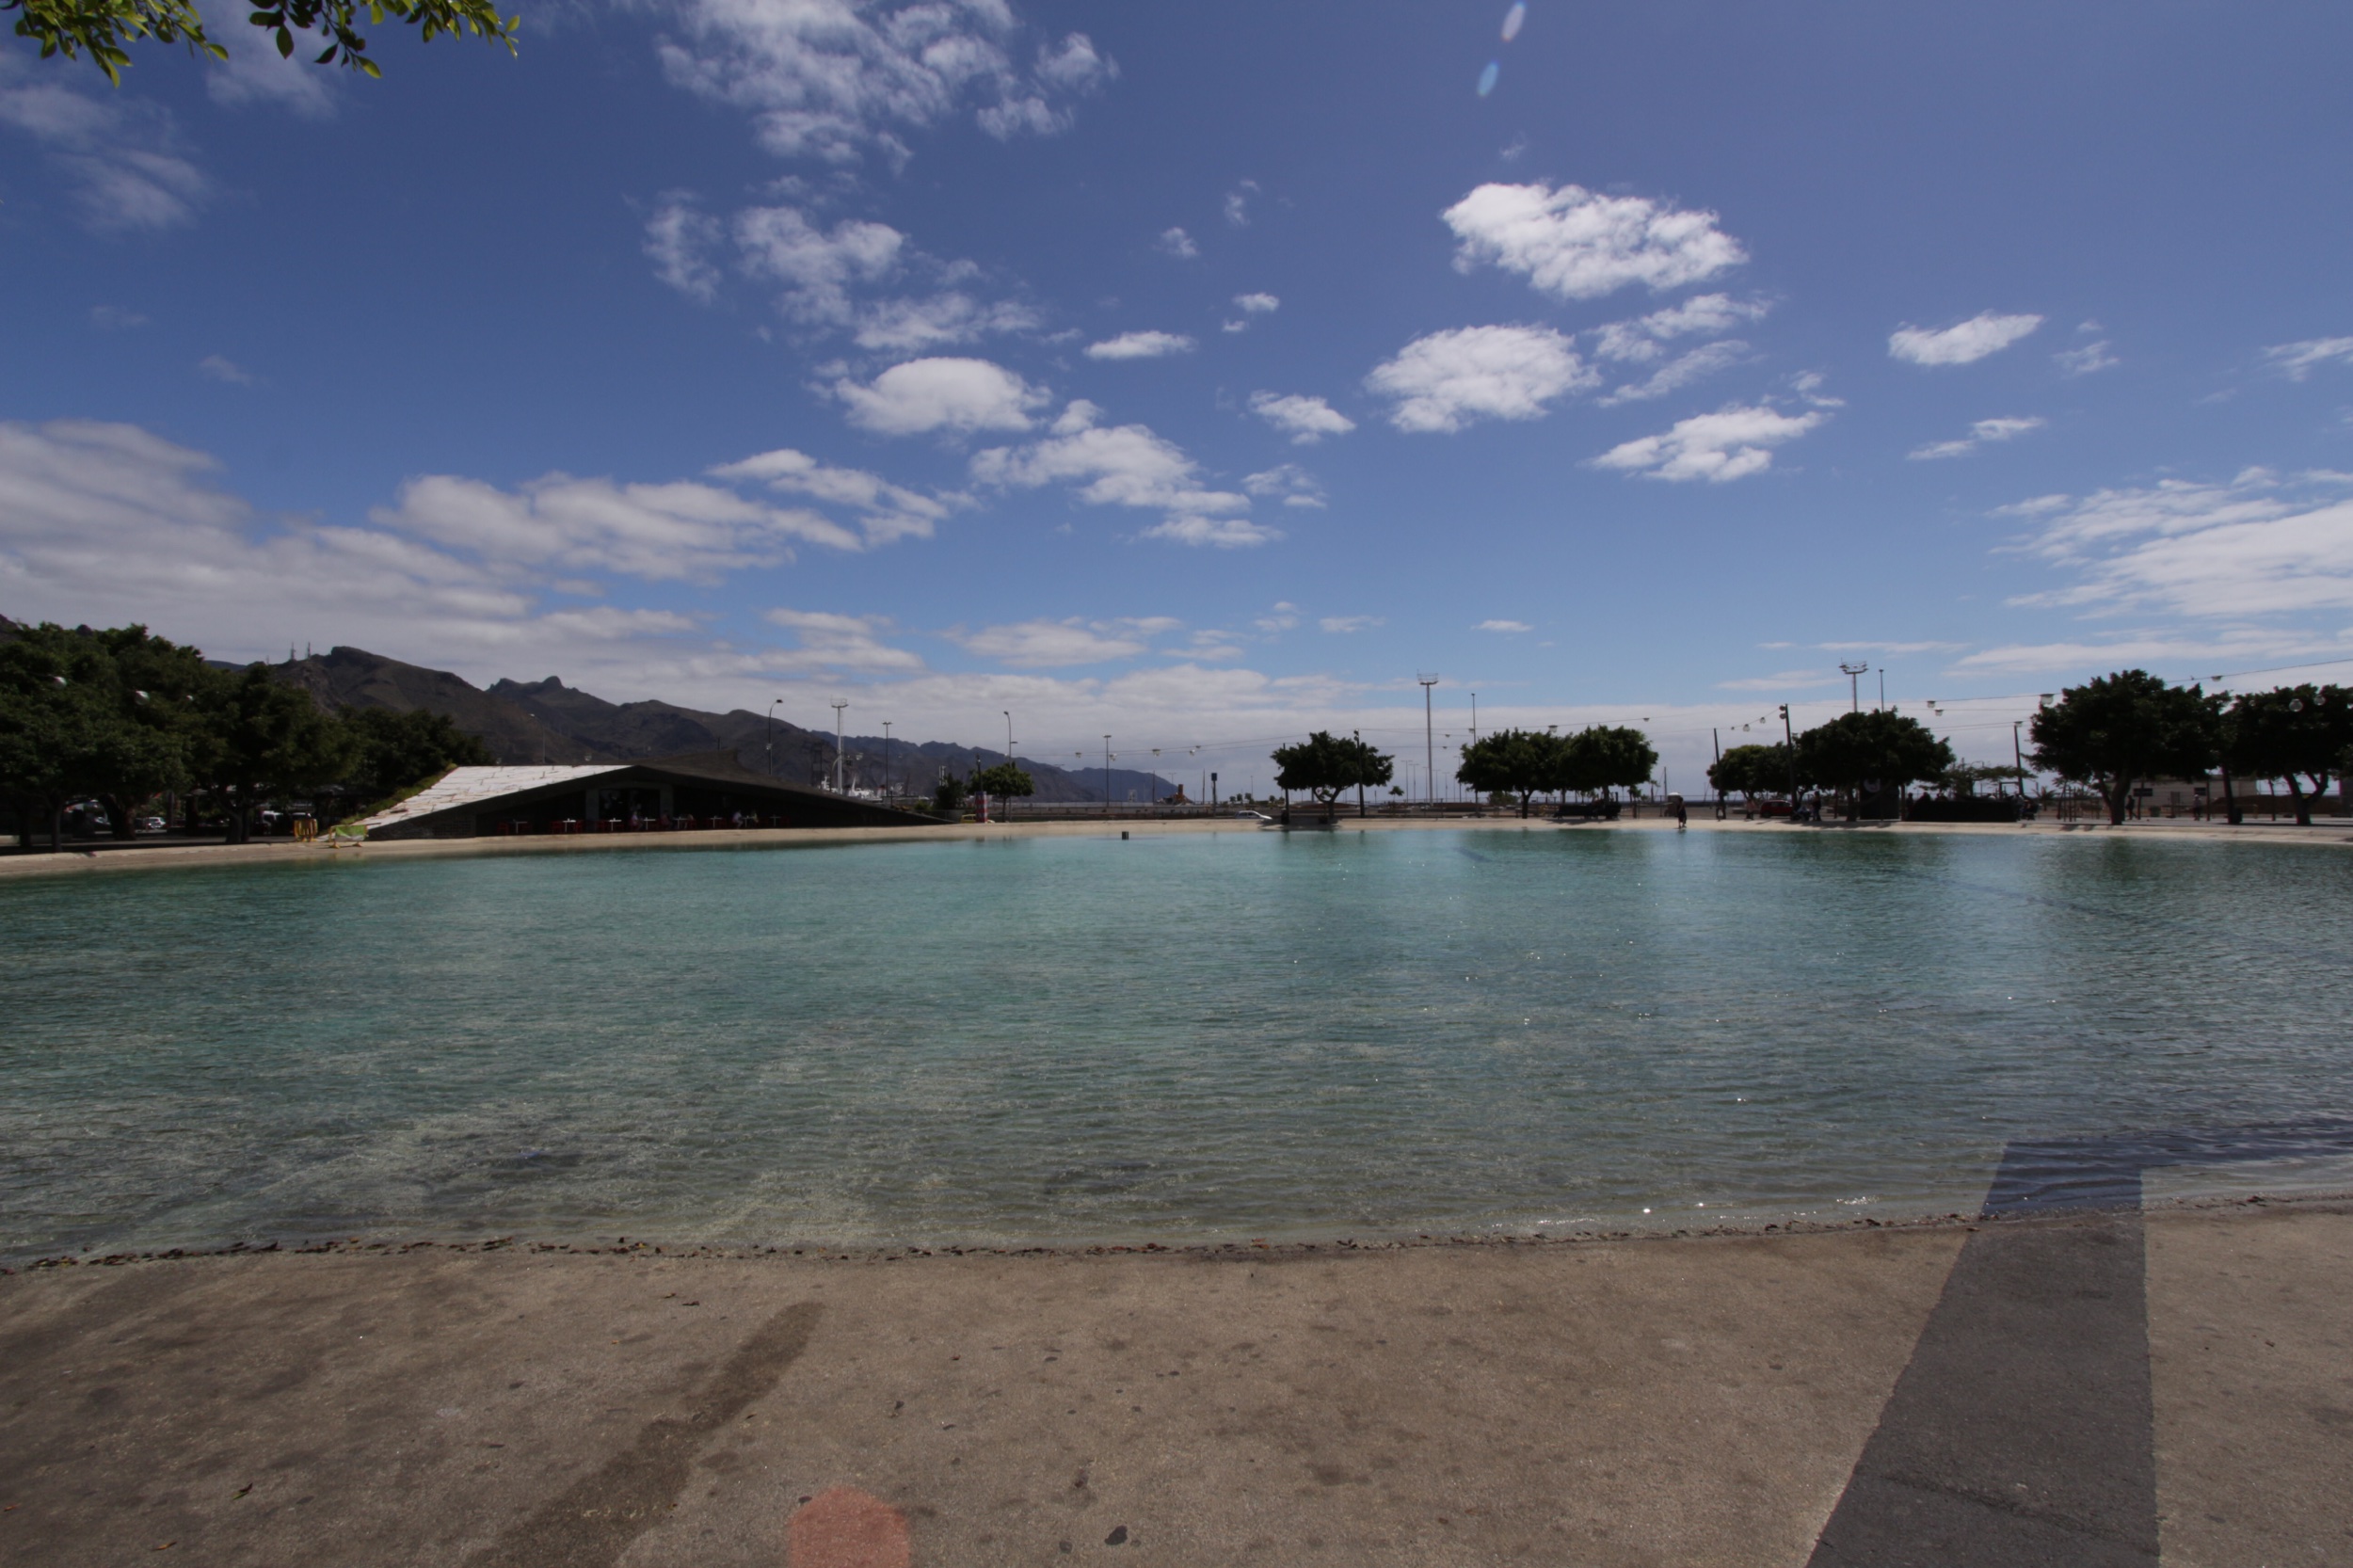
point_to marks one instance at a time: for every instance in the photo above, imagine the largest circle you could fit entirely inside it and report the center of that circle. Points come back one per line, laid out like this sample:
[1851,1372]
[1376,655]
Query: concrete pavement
[2098,1386]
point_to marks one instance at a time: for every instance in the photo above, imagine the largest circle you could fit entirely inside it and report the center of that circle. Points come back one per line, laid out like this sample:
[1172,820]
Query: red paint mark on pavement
[844,1528]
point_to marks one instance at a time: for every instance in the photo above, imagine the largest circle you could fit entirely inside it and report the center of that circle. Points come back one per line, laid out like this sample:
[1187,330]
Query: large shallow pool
[1177,1038]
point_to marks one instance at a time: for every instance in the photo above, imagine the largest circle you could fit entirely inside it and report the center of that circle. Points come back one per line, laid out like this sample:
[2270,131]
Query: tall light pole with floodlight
[769,749]
[1429,743]
[1854,692]
[839,703]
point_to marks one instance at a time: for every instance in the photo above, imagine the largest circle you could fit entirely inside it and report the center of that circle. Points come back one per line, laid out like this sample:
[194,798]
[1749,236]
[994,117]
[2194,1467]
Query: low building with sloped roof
[699,791]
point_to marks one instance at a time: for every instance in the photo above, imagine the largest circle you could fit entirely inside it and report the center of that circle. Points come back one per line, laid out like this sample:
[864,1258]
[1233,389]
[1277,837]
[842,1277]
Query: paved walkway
[2078,1387]
[162,856]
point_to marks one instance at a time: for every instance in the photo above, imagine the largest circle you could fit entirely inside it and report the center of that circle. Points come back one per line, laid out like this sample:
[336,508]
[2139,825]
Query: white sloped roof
[464,786]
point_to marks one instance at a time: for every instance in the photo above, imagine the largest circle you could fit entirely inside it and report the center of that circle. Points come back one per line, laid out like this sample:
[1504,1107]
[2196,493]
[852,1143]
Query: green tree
[104,26]
[1605,757]
[1005,780]
[2119,728]
[395,751]
[95,713]
[1882,748]
[2294,733]
[1323,765]
[47,724]
[260,740]
[1520,762]
[1752,769]
[947,796]
[156,687]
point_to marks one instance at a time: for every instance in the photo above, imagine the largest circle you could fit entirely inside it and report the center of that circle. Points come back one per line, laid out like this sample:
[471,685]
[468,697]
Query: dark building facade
[705,790]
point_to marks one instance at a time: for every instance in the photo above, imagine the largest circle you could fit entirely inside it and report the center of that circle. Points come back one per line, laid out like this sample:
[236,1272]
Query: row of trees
[1852,753]
[1530,763]
[2108,735]
[1521,763]
[121,718]
[2120,729]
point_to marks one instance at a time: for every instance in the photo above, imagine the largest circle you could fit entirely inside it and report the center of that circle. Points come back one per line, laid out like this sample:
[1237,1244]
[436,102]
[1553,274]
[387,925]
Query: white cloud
[822,269]
[1885,648]
[1503,626]
[921,395]
[1257,304]
[2258,545]
[1238,203]
[952,316]
[1964,344]
[1175,242]
[680,531]
[1219,532]
[1779,680]
[107,524]
[216,367]
[2298,360]
[255,73]
[889,511]
[1346,624]
[817,266]
[834,81]
[1680,372]
[1447,380]
[850,644]
[1126,465]
[1293,484]
[1049,643]
[1729,444]
[1305,420]
[1703,316]
[1982,433]
[1284,616]
[1576,243]
[123,153]
[679,242]
[2236,647]
[2085,361]
[114,319]
[1140,345]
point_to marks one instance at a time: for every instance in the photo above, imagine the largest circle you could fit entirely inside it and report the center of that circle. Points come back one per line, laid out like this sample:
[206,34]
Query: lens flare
[1487,78]
[1515,18]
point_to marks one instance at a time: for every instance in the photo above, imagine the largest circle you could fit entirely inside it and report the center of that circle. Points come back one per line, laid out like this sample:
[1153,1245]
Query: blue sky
[1204,373]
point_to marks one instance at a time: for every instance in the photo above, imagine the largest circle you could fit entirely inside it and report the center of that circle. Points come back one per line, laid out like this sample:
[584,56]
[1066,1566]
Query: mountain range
[547,722]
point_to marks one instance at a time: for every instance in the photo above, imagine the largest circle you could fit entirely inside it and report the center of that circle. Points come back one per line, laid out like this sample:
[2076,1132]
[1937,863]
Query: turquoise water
[1245,1035]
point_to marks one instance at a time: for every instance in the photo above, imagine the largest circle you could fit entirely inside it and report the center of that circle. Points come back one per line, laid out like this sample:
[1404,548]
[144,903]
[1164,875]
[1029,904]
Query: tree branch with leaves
[103,28]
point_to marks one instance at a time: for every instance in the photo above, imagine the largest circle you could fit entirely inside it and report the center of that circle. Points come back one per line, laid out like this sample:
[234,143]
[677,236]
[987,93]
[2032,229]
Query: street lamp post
[1789,744]
[1854,693]
[769,748]
[1107,776]
[1008,712]
[1428,743]
[887,787]
[839,703]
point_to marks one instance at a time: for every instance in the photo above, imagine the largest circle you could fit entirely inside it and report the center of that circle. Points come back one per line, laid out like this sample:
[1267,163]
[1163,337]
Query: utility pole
[1854,693]
[1718,737]
[839,703]
[1474,718]
[1429,743]
[1882,688]
[1789,744]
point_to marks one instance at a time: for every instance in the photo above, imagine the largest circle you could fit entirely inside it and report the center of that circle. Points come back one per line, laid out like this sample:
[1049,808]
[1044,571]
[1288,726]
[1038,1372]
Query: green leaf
[285,43]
